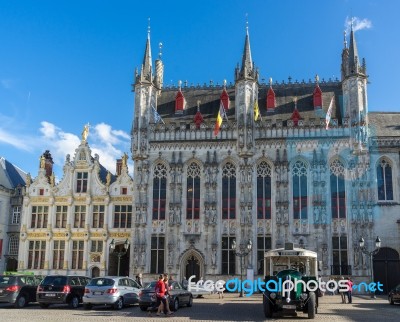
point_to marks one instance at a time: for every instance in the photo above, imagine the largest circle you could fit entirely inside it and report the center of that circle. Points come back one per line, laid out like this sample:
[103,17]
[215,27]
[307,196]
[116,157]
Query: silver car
[111,290]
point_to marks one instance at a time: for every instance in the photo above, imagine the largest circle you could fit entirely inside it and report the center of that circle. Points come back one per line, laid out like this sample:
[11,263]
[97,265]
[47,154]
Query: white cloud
[358,24]
[15,141]
[109,144]
[48,129]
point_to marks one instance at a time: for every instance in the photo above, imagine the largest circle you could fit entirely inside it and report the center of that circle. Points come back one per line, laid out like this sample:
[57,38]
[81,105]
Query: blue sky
[67,63]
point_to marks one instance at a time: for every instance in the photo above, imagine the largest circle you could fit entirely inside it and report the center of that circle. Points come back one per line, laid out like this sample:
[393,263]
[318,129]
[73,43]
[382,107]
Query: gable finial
[270,82]
[224,83]
[316,79]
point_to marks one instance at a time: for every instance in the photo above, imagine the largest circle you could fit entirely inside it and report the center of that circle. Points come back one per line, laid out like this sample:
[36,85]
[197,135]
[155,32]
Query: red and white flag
[328,113]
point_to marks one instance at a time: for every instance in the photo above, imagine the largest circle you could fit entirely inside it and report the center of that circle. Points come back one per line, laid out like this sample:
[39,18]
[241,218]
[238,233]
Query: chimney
[48,163]
[118,167]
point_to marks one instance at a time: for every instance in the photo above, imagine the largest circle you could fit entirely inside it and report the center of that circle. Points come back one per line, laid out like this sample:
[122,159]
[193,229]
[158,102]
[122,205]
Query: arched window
[229,191]
[193,191]
[384,176]
[159,191]
[299,190]
[263,191]
[338,190]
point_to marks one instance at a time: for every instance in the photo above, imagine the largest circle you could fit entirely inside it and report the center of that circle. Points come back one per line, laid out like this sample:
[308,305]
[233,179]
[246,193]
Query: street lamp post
[120,253]
[242,253]
[371,255]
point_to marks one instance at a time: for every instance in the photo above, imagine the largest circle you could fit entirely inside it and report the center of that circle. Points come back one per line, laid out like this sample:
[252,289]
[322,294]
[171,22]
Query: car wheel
[391,301]
[87,306]
[44,305]
[21,301]
[176,305]
[74,303]
[267,307]
[190,303]
[119,304]
[311,305]
[143,308]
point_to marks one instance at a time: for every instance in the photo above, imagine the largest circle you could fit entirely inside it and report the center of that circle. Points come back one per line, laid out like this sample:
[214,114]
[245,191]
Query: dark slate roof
[384,124]
[285,94]
[103,175]
[10,175]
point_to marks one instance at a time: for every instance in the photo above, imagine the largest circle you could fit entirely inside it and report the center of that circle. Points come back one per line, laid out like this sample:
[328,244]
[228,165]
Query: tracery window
[263,191]
[338,189]
[229,191]
[299,171]
[159,191]
[384,178]
[13,245]
[193,191]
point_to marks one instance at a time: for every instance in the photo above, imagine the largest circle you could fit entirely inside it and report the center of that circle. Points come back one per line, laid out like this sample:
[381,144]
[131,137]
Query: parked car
[179,296]
[394,295]
[18,289]
[61,289]
[111,290]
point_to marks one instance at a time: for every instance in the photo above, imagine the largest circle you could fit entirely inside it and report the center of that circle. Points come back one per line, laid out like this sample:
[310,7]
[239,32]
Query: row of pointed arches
[300,179]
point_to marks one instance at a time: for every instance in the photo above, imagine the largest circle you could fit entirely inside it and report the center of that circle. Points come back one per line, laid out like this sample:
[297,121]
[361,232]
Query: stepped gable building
[285,177]
[12,186]
[67,227]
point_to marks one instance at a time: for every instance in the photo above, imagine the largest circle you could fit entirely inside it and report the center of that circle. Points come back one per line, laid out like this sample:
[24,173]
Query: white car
[111,290]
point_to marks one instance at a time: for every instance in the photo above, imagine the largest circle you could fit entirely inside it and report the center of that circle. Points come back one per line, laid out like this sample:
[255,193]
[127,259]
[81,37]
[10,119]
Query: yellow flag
[256,110]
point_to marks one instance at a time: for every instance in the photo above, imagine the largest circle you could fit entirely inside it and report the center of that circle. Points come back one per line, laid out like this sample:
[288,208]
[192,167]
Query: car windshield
[6,280]
[101,282]
[55,280]
[151,285]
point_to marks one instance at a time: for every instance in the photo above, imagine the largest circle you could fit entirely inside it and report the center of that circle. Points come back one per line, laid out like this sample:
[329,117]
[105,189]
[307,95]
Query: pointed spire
[247,62]
[146,74]
[247,70]
[353,53]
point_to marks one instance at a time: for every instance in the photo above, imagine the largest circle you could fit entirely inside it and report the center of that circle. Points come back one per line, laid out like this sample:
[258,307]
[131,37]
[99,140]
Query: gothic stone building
[67,227]
[284,177]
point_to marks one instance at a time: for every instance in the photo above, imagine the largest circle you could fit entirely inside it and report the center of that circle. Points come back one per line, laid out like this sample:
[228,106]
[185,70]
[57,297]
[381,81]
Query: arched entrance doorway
[192,263]
[387,268]
[119,258]
[95,272]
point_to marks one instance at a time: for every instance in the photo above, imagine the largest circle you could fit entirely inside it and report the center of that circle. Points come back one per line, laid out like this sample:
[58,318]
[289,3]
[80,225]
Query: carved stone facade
[67,227]
[285,177]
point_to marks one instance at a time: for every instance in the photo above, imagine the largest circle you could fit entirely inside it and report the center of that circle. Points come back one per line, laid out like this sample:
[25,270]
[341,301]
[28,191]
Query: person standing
[343,290]
[160,294]
[139,280]
[167,310]
[350,289]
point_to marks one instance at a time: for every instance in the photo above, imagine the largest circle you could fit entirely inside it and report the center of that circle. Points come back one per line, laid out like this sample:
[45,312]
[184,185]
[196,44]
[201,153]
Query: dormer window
[81,181]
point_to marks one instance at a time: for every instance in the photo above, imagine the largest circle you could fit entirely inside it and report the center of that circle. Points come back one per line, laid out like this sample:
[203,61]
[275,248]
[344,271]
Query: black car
[394,295]
[18,289]
[61,289]
[179,296]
